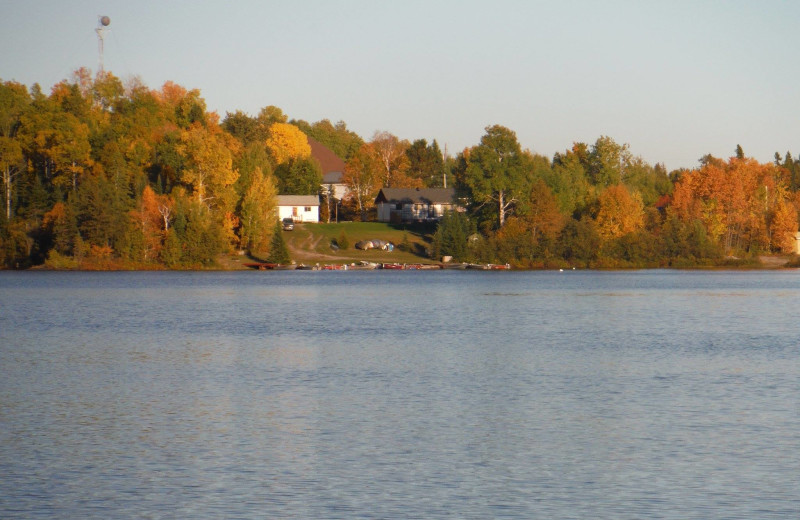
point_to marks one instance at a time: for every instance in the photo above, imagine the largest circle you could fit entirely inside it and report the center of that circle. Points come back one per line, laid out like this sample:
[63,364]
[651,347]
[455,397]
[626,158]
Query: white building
[300,208]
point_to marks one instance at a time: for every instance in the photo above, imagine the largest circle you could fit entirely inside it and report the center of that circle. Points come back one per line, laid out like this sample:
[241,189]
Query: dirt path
[306,251]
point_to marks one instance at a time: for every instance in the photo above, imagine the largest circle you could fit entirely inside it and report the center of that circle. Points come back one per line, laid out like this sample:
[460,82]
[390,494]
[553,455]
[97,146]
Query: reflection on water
[399,395]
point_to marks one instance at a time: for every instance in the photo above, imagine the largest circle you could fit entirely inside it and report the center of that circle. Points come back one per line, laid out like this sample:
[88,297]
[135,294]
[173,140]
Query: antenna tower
[102,28]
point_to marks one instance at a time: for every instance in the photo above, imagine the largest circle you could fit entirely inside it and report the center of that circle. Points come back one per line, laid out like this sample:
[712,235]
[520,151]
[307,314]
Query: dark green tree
[495,175]
[452,235]
[278,251]
[301,176]
[579,241]
[425,162]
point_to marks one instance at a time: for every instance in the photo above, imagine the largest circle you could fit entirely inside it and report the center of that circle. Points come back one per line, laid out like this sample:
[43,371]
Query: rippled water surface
[605,395]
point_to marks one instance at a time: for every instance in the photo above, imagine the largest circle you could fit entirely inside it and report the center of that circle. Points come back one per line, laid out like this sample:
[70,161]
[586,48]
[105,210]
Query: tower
[102,28]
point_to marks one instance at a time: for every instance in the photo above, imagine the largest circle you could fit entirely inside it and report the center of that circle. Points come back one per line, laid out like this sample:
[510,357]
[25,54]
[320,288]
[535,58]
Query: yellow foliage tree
[209,164]
[362,176]
[620,212]
[287,142]
[258,213]
[784,226]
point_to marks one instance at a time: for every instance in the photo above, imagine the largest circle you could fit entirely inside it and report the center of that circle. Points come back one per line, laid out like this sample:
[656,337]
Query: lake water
[597,395]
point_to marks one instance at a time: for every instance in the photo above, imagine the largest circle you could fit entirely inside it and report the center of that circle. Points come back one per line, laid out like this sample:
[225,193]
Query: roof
[332,178]
[298,200]
[417,195]
[328,161]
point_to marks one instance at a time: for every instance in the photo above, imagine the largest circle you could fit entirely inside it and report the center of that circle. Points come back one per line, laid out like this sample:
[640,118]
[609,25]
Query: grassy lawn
[311,243]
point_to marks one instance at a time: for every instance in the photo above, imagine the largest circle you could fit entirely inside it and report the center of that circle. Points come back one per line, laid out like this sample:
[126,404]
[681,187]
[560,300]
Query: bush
[56,260]
[343,242]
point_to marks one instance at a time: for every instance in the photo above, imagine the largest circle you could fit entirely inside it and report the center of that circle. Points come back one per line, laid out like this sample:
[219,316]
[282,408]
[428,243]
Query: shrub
[343,242]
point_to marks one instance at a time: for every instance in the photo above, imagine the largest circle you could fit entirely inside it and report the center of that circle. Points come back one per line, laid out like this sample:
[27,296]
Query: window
[294,211]
[307,209]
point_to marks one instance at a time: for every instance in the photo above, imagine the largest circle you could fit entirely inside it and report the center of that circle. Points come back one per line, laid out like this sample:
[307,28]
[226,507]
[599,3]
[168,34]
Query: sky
[674,80]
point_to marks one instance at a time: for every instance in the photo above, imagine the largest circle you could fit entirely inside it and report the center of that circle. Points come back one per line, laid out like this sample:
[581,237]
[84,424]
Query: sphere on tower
[105,20]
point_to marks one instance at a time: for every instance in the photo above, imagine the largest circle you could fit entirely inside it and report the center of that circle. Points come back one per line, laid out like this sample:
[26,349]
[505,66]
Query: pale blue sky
[674,79]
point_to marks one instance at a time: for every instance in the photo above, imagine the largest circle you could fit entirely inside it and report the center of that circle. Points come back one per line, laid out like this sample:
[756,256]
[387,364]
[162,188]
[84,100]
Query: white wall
[299,213]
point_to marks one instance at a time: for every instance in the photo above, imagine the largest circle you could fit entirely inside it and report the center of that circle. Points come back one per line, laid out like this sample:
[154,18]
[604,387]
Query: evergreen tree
[278,251]
[452,235]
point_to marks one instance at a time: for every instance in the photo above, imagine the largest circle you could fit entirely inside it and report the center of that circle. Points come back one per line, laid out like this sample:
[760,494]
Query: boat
[500,267]
[362,266]
[264,266]
[459,266]
[392,266]
[480,267]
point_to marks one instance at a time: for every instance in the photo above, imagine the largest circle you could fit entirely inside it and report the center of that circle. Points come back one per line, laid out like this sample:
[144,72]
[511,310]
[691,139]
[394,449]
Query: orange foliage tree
[742,204]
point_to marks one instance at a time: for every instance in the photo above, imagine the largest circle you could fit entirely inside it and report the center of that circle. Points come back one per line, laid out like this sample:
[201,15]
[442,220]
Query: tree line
[101,174]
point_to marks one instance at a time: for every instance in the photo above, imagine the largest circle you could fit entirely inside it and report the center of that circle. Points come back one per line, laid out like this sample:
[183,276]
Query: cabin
[415,204]
[300,208]
[332,167]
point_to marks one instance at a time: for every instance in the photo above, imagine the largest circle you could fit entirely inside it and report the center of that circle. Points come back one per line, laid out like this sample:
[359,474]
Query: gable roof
[416,195]
[328,161]
[332,178]
[298,200]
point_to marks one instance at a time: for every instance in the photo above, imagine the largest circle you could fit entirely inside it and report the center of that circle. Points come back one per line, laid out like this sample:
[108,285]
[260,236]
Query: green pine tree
[278,251]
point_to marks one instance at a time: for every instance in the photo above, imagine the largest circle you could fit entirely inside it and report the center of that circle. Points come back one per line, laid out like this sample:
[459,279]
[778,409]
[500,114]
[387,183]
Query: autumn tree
[735,200]
[57,141]
[258,213]
[390,152]
[151,219]
[544,219]
[362,174]
[14,101]
[181,106]
[209,165]
[783,225]
[620,212]
[287,142]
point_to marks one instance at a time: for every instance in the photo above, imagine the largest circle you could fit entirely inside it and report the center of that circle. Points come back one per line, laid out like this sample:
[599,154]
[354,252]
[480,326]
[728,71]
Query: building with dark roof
[332,168]
[414,204]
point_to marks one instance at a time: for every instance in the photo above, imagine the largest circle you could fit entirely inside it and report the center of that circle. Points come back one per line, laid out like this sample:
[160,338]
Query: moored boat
[362,266]
[480,267]
[459,266]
